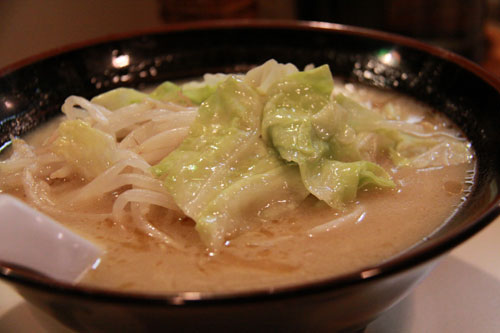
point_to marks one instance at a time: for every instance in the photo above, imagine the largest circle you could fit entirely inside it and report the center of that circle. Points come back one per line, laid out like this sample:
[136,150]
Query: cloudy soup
[241,182]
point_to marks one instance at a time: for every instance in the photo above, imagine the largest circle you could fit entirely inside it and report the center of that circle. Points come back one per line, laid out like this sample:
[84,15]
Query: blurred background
[468,27]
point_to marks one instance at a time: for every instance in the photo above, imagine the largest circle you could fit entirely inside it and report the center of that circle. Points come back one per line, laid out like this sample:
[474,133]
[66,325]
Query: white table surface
[461,295]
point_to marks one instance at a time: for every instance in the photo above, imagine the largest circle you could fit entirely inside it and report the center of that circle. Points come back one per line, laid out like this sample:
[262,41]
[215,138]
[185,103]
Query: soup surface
[310,242]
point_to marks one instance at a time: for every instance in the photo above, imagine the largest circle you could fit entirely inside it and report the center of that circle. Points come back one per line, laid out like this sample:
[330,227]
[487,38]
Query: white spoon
[34,241]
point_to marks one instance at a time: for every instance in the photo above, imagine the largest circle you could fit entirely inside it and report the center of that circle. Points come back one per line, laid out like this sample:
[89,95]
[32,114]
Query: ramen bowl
[32,92]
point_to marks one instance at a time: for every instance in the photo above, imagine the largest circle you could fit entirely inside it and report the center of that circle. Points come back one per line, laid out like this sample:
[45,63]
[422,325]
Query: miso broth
[308,243]
[378,226]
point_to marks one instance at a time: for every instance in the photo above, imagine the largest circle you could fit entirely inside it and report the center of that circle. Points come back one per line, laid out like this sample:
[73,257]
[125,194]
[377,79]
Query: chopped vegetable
[264,141]
[119,97]
[302,125]
[186,94]
[88,150]
[170,92]
[223,175]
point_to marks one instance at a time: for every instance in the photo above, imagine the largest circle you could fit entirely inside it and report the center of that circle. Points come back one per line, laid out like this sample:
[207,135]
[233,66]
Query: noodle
[140,195]
[144,134]
[96,112]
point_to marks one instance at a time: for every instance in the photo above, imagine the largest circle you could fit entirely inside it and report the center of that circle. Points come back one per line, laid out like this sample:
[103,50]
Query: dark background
[28,27]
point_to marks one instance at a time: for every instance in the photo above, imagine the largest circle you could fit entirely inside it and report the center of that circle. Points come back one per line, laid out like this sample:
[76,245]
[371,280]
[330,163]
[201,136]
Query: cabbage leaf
[223,175]
[262,142]
[304,127]
[190,93]
[170,92]
[119,97]
[88,150]
[369,135]
[264,76]
[198,92]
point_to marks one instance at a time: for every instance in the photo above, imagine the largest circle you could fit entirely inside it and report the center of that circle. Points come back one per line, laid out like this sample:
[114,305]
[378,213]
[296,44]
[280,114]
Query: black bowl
[33,91]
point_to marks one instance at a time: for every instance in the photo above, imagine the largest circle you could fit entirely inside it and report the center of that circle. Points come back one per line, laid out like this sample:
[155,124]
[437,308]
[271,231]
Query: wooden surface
[491,61]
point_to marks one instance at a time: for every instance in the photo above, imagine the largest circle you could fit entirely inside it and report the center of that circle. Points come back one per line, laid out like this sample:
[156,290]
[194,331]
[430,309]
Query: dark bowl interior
[33,91]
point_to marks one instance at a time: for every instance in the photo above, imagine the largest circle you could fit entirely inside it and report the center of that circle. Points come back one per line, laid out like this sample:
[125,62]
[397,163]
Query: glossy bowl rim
[400,263]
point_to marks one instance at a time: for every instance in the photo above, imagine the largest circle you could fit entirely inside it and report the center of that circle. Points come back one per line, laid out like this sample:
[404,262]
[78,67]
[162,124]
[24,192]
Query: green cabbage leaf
[190,93]
[88,150]
[263,142]
[302,124]
[361,133]
[223,175]
[119,97]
